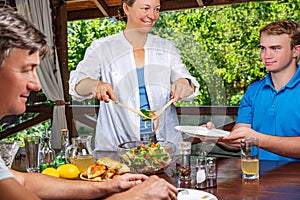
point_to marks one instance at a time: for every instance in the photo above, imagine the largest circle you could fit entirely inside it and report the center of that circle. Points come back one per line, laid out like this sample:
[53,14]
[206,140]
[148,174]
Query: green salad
[148,113]
[147,159]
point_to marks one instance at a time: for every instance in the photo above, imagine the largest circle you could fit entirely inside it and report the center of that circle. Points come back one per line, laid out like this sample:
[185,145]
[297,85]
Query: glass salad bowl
[146,157]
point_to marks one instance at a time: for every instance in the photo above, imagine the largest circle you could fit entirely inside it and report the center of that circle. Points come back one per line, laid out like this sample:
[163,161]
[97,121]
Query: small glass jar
[201,173]
[184,159]
[46,154]
[60,158]
[211,171]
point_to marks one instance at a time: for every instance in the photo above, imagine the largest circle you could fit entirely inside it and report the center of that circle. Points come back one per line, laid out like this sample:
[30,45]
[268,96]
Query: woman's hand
[181,89]
[104,92]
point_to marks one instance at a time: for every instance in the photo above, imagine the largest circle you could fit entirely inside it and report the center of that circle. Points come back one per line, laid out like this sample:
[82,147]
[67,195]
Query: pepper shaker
[211,171]
[184,159]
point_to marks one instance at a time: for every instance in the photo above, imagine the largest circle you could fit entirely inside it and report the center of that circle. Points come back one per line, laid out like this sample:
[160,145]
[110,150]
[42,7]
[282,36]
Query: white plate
[200,131]
[196,195]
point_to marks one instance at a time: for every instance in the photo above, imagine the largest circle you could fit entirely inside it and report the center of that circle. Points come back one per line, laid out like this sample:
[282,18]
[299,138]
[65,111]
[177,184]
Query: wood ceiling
[86,9]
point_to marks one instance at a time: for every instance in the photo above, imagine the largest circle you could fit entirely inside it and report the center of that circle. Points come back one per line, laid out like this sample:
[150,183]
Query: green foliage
[219,44]
[37,130]
[82,33]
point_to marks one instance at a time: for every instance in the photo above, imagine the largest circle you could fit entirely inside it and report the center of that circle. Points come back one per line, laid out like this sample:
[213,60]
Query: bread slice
[110,163]
[108,174]
[95,170]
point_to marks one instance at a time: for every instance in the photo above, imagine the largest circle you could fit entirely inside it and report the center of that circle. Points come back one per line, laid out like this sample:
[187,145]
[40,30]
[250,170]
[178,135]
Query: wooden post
[60,19]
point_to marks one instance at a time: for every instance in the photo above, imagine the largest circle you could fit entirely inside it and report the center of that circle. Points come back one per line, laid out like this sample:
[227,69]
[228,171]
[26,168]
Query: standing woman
[138,69]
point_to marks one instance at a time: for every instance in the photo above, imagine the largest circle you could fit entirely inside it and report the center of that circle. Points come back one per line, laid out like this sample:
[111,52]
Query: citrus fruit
[51,172]
[68,171]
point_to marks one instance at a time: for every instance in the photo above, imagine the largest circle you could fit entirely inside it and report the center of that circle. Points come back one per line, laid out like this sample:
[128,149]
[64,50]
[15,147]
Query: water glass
[32,147]
[8,151]
[250,158]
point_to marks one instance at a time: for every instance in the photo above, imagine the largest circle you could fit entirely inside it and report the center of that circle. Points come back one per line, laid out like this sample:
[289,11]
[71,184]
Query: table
[278,180]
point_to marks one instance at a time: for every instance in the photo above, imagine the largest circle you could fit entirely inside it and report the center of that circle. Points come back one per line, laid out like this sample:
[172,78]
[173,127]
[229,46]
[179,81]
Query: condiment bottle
[46,154]
[200,173]
[184,159]
[60,158]
[211,172]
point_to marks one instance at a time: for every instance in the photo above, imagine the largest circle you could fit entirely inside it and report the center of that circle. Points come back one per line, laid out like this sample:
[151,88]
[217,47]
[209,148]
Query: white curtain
[39,12]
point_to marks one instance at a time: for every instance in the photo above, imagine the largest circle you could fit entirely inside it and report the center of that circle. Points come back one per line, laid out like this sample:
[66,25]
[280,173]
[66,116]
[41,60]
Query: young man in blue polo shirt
[270,109]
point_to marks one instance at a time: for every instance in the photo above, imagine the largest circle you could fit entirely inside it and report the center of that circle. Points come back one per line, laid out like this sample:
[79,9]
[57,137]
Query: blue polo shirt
[272,112]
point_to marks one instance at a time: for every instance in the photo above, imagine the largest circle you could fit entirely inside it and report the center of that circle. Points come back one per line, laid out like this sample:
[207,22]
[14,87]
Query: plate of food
[104,169]
[202,132]
[191,194]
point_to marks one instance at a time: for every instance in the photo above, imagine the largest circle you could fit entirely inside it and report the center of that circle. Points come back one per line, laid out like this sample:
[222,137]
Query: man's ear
[296,51]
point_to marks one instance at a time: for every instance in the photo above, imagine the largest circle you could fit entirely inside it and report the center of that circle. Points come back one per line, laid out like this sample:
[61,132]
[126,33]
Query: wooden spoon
[162,110]
[131,109]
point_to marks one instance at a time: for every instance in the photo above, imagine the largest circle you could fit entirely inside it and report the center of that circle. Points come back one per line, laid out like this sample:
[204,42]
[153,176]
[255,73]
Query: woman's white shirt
[111,60]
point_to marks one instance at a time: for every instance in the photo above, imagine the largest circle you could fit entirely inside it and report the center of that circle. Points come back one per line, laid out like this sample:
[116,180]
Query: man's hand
[154,188]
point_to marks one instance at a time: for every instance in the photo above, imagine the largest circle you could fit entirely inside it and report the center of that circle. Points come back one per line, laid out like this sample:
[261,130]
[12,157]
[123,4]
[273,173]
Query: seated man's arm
[284,146]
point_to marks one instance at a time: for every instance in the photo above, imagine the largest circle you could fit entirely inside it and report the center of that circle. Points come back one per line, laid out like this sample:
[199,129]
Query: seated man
[21,46]
[270,109]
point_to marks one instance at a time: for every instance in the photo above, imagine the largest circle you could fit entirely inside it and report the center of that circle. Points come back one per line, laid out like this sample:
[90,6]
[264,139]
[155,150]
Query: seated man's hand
[154,188]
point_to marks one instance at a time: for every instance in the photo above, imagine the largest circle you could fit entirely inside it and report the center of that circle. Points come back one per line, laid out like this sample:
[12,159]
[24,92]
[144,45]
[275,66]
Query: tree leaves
[219,44]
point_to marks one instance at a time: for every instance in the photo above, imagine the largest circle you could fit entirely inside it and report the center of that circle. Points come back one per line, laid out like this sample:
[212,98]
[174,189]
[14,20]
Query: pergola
[68,10]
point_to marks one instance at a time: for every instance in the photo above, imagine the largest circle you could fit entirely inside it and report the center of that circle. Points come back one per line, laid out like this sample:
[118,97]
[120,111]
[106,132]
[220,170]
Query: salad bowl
[146,157]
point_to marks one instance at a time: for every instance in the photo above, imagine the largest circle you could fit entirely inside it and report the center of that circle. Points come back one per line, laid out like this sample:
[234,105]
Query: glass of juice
[250,158]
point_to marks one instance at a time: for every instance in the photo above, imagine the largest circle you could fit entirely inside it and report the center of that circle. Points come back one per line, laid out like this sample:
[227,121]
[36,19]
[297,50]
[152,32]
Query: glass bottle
[211,172]
[60,158]
[46,155]
[184,159]
[79,153]
[200,173]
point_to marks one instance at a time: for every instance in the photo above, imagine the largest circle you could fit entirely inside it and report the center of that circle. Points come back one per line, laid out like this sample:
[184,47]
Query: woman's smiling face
[142,14]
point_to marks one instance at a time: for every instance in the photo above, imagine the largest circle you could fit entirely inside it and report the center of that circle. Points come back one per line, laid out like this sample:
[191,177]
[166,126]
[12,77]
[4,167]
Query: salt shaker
[201,173]
[211,172]
[184,159]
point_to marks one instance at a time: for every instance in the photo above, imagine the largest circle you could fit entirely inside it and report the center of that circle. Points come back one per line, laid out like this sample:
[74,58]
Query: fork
[183,191]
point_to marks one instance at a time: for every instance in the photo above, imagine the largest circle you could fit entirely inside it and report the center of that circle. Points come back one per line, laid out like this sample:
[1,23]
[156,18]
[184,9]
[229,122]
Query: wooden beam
[200,3]
[102,7]
[10,131]
[80,5]
[113,2]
